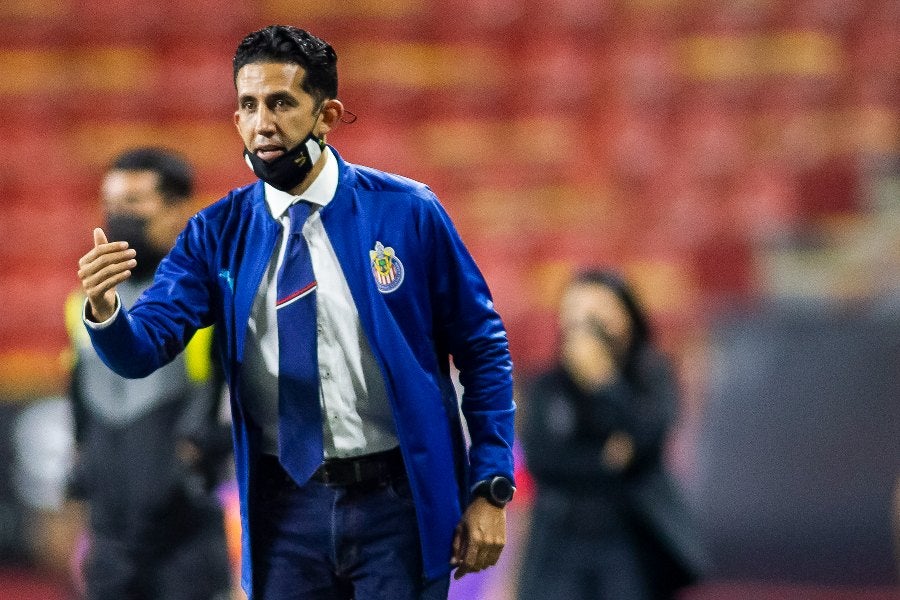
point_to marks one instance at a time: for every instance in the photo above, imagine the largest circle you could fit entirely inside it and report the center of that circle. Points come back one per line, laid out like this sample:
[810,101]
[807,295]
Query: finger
[483,561]
[462,571]
[109,263]
[94,261]
[490,557]
[460,544]
[470,558]
[105,279]
[97,292]
[104,250]
[99,237]
[488,554]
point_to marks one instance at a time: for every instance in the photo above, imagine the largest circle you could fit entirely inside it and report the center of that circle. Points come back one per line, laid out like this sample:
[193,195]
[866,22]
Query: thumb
[99,237]
[460,542]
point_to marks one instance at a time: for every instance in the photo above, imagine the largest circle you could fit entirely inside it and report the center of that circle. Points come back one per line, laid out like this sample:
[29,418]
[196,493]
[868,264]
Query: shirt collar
[321,191]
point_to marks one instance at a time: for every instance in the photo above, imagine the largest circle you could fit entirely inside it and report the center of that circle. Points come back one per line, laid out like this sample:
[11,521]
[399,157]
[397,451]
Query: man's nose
[265,121]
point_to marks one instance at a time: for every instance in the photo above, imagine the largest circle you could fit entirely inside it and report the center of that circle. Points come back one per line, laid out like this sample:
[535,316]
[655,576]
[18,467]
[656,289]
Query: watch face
[501,489]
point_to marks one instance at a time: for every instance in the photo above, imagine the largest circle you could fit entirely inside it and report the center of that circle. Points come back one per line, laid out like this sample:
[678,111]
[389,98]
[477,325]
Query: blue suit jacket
[442,308]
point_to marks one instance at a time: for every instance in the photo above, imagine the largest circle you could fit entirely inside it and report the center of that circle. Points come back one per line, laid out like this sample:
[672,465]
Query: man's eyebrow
[281,96]
[272,97]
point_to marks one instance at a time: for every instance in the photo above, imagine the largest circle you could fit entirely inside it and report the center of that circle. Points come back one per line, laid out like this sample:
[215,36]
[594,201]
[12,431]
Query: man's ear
[332,111]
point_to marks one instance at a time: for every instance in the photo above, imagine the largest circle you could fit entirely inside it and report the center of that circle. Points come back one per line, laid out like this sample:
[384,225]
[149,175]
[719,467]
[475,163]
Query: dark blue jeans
[315,542]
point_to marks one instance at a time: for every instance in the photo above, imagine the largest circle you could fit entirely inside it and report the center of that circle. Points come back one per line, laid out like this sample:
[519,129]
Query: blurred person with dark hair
[607,523]
[149,451]
[341,292]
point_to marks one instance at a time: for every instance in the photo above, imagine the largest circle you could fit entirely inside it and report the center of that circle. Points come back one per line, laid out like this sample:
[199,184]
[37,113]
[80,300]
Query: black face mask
[288,170]
[133,229]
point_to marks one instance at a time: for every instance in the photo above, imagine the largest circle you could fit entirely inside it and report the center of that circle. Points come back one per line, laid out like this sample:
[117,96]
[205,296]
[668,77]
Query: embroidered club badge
[386,268]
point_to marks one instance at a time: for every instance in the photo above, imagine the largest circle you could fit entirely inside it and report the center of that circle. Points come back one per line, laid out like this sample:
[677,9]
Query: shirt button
[319,328]
[326,374]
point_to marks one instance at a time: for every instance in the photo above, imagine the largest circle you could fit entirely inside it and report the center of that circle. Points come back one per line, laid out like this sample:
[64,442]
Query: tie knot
[299,211]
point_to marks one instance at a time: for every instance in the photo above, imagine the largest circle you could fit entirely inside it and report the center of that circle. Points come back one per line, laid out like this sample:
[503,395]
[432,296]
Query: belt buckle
[322,474]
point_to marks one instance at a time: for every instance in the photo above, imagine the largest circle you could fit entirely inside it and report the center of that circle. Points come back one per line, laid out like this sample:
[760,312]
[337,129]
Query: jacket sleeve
[153,331]
[467,325]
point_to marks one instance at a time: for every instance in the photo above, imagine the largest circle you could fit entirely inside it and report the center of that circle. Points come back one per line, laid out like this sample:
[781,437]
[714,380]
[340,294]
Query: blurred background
[737,160]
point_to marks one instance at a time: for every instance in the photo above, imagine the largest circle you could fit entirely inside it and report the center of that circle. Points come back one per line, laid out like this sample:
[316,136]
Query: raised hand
[101,270]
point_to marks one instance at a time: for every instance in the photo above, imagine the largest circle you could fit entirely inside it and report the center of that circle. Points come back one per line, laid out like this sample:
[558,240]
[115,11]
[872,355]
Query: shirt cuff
[104,324]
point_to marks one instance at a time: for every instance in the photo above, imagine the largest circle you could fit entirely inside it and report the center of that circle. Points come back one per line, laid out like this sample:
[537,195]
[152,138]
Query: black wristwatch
[497,490]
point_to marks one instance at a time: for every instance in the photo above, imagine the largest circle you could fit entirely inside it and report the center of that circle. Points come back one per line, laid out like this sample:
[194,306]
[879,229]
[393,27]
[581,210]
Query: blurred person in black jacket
[608,522]
[149,451]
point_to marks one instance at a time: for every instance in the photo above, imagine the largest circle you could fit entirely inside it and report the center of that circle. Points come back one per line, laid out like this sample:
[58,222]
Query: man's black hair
[176,177]
[286,44]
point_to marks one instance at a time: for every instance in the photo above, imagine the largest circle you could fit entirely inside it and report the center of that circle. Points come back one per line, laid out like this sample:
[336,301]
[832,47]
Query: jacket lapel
[252,251]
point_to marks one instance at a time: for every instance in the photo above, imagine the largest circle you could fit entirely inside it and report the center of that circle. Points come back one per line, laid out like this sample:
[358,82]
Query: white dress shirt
[356,413]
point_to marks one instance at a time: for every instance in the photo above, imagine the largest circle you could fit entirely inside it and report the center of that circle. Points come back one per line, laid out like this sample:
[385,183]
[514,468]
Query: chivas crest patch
[386,268]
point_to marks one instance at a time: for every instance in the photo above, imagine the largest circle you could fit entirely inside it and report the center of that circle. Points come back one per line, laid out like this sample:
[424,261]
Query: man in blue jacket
[355,479]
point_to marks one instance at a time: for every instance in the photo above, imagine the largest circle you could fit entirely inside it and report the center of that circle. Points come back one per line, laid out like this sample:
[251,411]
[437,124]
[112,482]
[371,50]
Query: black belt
[368,468]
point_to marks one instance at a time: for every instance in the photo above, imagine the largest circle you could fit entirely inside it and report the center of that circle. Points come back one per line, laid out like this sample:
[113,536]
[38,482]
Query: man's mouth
[269,152]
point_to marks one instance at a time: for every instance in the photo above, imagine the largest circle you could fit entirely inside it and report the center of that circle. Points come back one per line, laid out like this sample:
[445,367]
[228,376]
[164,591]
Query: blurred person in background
[341,292]
[150,451]
[607,523]
[42,447]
